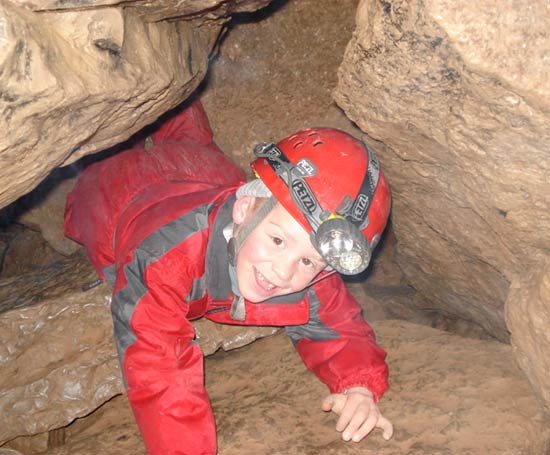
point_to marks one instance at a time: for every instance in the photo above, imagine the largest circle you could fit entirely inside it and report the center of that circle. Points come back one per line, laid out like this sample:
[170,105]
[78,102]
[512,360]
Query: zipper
[217,310]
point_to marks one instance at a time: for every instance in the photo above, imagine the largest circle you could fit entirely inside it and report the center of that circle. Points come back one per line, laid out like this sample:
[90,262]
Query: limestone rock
[212,337]
[460,98]
[22,250]
[47,282]
[528,318]
[76,81]
[57,353]
[46,215]
[199,10]
[3,248]
[58,362]
[449,395]
[275,74]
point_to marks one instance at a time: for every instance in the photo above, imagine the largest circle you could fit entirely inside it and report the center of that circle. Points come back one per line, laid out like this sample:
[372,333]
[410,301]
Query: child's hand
[359,414]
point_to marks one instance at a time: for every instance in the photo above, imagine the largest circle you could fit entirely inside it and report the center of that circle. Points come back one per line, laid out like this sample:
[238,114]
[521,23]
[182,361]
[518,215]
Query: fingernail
[346,436]
[356,439]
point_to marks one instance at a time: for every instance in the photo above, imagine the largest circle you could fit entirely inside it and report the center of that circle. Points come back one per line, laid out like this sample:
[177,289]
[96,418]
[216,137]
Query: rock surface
[449,395]
[46,215]
[528,318]
[464,117]
[24,251]
[199,10]
[57,352]
[275,72]
[75,81]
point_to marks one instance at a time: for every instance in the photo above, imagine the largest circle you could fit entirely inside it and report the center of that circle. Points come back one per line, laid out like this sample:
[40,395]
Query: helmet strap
[242,231]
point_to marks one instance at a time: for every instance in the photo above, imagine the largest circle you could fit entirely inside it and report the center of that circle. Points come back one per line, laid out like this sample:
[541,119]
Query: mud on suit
[151,222]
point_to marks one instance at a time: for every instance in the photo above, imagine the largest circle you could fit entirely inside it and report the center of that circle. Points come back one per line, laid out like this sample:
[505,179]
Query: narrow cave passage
[451,363]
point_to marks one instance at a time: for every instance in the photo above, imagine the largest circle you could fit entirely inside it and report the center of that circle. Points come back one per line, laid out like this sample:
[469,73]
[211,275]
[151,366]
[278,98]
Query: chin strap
[242,231]
[238,309]
[321,278]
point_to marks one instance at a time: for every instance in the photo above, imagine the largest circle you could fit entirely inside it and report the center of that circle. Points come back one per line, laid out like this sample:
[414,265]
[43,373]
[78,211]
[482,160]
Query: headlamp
[342,245]
[336,236]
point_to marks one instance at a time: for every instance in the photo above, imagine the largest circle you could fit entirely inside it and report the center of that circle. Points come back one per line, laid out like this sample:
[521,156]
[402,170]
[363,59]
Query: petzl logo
[306,168]
[273,152]
[360,207]
[269,151]
[304,195]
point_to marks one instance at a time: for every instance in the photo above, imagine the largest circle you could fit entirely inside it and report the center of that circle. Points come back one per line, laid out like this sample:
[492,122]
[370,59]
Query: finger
[328,403]
[358,418]
[386,426]
[334,402]
[368,425]
[346,415]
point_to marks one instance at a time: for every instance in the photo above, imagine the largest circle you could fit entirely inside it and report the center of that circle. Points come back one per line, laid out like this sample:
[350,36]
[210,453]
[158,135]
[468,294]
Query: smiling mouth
[267,285]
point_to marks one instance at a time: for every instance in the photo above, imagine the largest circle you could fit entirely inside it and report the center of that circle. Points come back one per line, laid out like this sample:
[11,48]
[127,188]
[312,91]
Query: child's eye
[307,262]
[277,241]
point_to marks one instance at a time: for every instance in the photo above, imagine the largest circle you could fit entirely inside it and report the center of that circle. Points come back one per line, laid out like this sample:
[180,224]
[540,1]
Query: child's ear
[242,207]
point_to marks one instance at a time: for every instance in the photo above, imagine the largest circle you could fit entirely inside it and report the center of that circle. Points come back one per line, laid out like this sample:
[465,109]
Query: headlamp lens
[350,261]
[343,246]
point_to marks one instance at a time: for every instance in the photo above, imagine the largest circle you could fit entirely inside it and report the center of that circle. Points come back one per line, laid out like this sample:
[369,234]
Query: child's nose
[284,268]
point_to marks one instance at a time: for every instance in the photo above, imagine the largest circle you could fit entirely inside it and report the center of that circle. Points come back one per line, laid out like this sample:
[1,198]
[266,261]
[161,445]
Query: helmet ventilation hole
[298,144]
[317,142]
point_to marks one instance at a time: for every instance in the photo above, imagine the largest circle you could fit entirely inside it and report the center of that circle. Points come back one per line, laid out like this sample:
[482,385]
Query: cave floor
[448,395]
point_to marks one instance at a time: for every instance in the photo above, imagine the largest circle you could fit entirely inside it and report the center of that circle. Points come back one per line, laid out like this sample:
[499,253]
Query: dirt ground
[449,395]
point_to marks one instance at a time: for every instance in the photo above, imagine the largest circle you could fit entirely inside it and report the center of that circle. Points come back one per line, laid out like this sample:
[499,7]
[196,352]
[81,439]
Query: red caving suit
[151,222]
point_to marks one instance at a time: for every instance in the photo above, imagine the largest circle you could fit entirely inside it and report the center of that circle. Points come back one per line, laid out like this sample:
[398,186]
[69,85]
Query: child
[179,235]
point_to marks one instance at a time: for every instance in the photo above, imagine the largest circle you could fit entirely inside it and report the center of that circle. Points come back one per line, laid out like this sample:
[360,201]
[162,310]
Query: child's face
[277,257]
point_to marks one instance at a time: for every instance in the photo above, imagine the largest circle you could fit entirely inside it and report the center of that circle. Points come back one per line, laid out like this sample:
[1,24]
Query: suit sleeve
[337,344]
[162,364]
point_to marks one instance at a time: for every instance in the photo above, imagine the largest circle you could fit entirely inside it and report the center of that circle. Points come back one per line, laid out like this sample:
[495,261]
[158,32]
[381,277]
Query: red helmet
[332,184]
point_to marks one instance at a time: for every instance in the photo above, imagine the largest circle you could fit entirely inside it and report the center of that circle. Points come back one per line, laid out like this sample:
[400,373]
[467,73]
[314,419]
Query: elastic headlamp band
[298,188]
[355,211]
[240,233]
[358,213]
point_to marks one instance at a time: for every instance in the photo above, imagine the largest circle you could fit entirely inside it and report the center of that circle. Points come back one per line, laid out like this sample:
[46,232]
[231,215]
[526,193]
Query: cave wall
[74,80]
[460,98]
[456,95]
